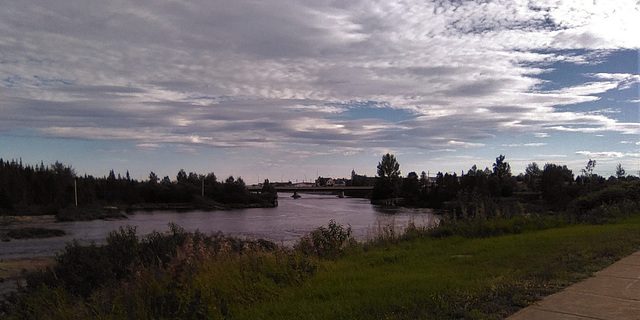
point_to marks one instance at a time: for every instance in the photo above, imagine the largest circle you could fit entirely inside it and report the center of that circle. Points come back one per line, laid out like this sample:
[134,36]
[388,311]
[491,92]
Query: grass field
[452,278]
[410,276]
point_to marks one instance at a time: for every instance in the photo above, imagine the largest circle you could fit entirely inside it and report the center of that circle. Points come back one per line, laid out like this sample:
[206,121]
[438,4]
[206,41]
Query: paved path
[613,293]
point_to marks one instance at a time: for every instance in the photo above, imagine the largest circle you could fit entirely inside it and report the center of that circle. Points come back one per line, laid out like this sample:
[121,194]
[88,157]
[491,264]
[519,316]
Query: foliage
[532,176]
[164,275]
[360,180]
[234,191]
[487,194]
[457,270]
[411,187]
[326,243]
[554,184]
[388,167]
[620,172]
[269,192]
[388,183]
[588,169]
[615,201]
[447,188]
[494,227]
[28,190]
[501,168]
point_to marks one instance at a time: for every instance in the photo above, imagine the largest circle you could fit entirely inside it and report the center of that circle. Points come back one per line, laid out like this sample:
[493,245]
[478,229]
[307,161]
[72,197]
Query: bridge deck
[289,189]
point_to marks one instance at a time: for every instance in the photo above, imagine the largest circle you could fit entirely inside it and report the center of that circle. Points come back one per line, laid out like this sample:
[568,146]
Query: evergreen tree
[620,172]
[501,169]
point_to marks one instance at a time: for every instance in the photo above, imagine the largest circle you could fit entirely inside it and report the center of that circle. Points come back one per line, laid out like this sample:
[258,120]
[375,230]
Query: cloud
[464,144]
[282,74]
[601,154]
[518,145]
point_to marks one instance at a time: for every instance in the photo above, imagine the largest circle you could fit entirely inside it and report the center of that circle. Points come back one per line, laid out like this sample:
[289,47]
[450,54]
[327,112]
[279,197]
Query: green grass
[179,275]
[454,277]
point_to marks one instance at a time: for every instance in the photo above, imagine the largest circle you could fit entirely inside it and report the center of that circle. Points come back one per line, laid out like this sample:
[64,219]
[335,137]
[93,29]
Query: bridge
[339,189]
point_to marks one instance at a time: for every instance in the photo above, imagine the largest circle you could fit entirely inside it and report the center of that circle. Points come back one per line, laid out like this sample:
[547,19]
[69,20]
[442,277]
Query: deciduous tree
[388,168]
[388,180]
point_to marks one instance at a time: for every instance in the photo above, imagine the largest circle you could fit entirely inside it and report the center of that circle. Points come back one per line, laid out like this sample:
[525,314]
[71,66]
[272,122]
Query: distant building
[324,182]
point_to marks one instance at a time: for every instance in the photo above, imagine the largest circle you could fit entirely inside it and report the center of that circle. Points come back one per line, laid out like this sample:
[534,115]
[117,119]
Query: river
[285,224]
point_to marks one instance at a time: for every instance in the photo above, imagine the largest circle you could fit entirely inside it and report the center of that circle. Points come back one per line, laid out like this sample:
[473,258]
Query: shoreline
[119,212]
[11,271]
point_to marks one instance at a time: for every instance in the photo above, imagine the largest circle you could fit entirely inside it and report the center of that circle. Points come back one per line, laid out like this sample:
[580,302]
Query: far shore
[111,212]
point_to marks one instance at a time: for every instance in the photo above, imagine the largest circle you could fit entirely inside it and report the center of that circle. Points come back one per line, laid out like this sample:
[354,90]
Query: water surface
[284,224]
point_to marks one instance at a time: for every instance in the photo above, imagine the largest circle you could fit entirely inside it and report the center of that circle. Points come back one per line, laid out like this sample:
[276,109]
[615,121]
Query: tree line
[45,189]
[486,191]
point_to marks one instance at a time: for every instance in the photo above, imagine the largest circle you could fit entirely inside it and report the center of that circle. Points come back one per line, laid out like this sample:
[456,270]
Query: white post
[75,188]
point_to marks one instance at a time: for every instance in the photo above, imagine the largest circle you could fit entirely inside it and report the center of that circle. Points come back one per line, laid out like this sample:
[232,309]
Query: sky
[291,90]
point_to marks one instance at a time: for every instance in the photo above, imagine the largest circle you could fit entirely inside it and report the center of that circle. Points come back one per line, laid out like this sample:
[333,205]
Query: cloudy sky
[288,90]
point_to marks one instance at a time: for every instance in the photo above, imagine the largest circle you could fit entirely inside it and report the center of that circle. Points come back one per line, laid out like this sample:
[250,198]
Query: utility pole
[75,189]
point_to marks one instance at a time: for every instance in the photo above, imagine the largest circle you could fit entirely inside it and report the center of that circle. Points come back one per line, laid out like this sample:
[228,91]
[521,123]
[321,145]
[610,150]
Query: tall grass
[164,275]
[453,277]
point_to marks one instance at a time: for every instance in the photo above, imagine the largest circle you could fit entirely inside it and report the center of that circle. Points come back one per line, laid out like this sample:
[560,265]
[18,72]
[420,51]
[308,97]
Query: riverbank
[114,212]
[419,274]
[11,271]
[452,277]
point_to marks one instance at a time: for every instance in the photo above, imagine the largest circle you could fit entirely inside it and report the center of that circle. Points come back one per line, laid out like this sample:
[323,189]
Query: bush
[172,275]
[494,227]
[326,243]
[614,201]
[79,269]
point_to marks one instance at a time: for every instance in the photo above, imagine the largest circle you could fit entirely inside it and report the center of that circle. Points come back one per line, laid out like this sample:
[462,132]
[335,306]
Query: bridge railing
[334,188]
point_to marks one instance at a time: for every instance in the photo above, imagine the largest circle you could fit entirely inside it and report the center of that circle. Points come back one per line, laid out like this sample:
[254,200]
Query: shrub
[172,275]
[494,227]
[326,243]
[80,269]
[612,202]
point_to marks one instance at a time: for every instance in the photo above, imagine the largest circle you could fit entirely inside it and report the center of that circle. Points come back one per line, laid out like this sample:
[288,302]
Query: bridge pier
[341,194]
[296,195]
